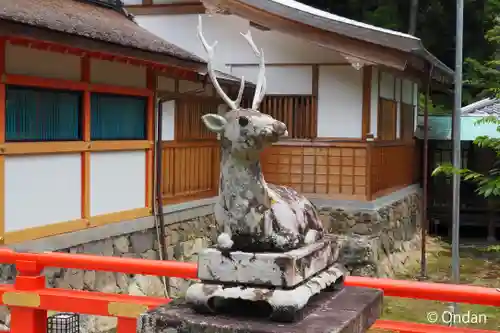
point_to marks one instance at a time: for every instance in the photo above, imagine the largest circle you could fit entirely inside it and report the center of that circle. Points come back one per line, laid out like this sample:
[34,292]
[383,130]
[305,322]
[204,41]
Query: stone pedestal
[283,283]
[350,310]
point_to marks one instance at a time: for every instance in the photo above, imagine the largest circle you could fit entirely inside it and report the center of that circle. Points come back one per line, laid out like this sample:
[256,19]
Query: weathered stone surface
[142,241]
[142,285]
[283,270]
[284,303]
[351,310]
[376,243]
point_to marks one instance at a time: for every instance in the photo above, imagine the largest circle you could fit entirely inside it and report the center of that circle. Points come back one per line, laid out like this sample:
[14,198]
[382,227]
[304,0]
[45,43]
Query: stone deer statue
[254,216]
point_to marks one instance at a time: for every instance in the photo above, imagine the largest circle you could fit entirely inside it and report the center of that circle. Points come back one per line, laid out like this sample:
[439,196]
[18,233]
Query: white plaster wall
[407,91]
[41,190]
[340,102]
[232,48]
[168,121]
[117,181]
[27,61]
[132,2]
[374,102]
[280,80]
[117,73]
[387,85]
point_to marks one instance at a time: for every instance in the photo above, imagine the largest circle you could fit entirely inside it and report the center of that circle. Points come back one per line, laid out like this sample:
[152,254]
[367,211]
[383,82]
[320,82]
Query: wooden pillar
[85,77]
[315,93]
[151,84]
[2,140]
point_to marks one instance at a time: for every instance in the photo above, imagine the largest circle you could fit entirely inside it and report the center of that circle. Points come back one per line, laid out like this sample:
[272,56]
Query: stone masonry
[184,240]
[376,242]
[371,242]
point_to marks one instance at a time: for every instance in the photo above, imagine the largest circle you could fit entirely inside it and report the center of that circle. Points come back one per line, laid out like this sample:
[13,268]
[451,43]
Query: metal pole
[457,146]
[425,175]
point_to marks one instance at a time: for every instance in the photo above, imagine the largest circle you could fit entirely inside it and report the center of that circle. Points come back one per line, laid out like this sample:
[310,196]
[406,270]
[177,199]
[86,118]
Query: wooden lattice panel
[322,170]
[190,170]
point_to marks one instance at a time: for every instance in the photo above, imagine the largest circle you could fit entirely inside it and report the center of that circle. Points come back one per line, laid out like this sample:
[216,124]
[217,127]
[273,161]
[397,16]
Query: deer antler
[211,73]
[260,89]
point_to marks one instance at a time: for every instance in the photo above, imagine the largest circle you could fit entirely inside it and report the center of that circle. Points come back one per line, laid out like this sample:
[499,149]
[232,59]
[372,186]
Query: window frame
[79,115]
[144,117]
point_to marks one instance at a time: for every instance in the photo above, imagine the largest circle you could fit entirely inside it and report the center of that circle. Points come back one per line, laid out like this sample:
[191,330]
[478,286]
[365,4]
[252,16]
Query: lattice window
[115,117]
[297,112]
[34,114]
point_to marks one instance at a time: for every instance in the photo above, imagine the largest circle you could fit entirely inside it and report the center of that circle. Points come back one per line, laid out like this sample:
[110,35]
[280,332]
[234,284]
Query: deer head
[245,131]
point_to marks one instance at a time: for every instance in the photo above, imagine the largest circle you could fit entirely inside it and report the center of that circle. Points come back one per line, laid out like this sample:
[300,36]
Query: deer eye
[243,121]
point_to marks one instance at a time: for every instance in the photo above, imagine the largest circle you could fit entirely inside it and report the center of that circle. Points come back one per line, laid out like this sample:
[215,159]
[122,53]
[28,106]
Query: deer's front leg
[224,241]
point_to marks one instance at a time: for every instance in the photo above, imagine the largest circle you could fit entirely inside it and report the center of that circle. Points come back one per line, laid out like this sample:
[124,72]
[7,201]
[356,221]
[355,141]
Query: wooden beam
[315,93]
[35,81]
[59,147]
[151,81]
[85,78]
[3,103]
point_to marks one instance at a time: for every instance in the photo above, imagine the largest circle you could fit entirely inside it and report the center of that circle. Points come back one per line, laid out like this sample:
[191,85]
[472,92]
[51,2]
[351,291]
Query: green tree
[485,77]
[488,184]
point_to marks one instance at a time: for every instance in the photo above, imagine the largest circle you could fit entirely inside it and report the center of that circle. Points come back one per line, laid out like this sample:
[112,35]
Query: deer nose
[279,128]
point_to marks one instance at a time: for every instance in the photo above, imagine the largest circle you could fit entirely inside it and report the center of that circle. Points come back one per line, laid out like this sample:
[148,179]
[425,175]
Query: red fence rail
[29,299]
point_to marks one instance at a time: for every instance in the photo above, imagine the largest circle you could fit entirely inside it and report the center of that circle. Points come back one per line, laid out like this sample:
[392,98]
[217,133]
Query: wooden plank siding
[191,161]
[298,112]
[190,170]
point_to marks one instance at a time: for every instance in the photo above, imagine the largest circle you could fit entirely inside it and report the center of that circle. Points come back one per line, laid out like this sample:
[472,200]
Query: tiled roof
[485,107]
[86,19]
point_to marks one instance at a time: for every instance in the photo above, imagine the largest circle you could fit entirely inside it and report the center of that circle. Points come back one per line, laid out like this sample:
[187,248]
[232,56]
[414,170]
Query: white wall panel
[280,80]
[168,121]
[117,181]
[42,190]
[340,102]
[407,92]
[387,85]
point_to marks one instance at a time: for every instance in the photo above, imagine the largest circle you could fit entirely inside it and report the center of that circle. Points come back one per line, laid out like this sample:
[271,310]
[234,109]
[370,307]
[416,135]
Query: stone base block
[282,305]
[350,310]
[283,270]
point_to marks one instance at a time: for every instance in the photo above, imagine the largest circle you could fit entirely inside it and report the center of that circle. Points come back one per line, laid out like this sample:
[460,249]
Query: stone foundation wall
[377,242]
[184,241]
[374,242]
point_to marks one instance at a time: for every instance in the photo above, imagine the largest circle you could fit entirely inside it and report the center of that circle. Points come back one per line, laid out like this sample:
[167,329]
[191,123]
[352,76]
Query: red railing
[29,299]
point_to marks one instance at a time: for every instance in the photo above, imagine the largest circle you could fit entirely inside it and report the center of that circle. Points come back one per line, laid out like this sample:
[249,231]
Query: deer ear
[214,122]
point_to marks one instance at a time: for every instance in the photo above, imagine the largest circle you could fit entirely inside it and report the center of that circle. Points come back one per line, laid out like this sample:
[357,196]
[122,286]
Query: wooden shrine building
[79,80]
[348,91]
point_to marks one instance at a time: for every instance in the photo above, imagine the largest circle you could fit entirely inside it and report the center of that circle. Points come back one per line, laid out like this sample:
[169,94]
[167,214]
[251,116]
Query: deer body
[255,216]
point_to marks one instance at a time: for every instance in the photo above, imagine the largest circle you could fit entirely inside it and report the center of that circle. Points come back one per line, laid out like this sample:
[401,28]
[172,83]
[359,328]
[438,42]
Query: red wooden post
[26,316]
[126,325]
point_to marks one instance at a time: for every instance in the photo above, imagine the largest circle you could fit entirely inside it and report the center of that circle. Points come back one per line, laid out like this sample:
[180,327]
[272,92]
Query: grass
[478,266]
